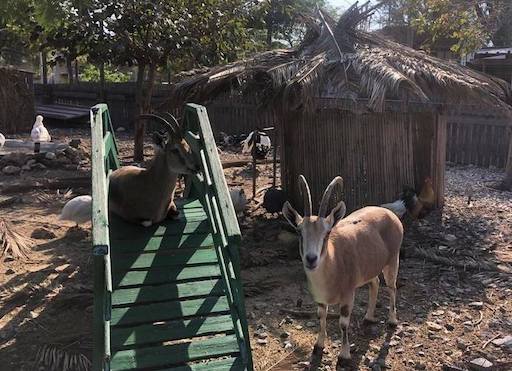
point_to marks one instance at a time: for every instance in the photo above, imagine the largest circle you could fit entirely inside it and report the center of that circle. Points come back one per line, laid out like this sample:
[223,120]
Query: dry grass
[12,243]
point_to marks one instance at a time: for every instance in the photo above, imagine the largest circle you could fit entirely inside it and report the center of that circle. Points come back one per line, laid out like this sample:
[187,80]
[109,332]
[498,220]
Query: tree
[466,24]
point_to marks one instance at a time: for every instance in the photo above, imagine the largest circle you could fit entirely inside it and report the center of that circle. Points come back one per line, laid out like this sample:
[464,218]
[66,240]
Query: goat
[340,255]
[146,196]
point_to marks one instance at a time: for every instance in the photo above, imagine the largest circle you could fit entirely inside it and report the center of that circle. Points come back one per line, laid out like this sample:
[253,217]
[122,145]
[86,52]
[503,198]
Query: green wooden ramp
[168,297]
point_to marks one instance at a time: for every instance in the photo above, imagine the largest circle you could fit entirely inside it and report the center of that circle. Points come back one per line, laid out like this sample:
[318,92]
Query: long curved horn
[327,196]
[172,126]
[306,195]
[171,118]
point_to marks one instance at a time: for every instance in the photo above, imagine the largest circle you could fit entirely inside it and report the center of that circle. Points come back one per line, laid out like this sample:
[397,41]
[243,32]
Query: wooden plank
[170,258]
[161,243]
[120,230]
[173,274]
[128,337]
[139,295]
[167,311]
[227,364]
[174,354]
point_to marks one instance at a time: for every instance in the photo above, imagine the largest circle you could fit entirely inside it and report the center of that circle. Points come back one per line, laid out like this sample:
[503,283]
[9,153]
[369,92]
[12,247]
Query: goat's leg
[172,211]
[373,291]
[322,315]
[345,311]
[390,273]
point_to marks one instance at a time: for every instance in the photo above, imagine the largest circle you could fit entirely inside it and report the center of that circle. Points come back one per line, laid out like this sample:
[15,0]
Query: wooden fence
[479,137]
[474,136]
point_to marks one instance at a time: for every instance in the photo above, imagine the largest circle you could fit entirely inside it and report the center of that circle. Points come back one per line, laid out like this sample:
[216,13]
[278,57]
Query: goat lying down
[146,196]
[341,254]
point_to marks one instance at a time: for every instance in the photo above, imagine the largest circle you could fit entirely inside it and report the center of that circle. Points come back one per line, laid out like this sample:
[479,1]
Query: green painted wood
[174,354]
[128,337]
[169,274]
[172,258]
[167,311]
[184,203]
[120,230]
[226,364]
[164,292]
[161,243]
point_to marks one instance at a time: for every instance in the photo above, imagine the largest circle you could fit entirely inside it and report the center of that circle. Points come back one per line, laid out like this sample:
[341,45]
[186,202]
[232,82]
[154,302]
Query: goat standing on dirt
[145,196]
[340,255]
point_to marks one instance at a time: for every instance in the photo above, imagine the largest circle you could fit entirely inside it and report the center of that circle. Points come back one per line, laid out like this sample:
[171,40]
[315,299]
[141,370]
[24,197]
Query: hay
[53,358]
[12,243]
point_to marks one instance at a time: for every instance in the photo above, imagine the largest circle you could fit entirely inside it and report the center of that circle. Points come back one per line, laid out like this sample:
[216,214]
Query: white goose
[39,132]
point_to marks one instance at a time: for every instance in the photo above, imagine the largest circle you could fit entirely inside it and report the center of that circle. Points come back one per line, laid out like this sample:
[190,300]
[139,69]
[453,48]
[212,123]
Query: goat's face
[180,158]
[314,230]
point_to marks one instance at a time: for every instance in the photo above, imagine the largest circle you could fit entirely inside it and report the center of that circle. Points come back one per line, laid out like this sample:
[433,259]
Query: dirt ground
[454,297]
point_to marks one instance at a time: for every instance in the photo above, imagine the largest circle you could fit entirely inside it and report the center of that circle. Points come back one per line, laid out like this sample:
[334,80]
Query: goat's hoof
[318,350]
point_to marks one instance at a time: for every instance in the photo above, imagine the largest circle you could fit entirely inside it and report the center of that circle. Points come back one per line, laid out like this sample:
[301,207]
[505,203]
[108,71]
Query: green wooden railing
[209,187]
[104,161]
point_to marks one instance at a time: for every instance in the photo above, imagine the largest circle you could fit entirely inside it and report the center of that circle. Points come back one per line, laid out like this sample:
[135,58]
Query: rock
[30,162]
[480,364]
[399,350]
[393,343]
[284,335]
[438,313]
[50,156]
[310,324]
[432,326]
[298,327]
[262,341]
[26,168]
[42,234]
[262,335]
[287,345]
[449,327]
[420,366]
[476,305]
[303,364]
[11,170]
[15,158]
[75,143]
[505,341]
[120,129]
[461,344]
[38,166]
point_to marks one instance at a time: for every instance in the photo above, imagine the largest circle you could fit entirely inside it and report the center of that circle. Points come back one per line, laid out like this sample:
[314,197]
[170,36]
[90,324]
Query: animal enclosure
[375,153]
[17,97]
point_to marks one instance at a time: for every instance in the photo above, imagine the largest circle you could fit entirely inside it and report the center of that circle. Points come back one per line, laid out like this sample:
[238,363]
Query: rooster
[407,202]
[426,199]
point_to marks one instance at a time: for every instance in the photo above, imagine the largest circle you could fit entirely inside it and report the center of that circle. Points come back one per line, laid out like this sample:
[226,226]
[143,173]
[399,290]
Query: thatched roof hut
[355,104]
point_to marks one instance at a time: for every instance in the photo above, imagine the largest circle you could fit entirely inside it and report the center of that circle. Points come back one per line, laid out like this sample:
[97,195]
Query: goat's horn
[172,126]
[306,195]
[327,196]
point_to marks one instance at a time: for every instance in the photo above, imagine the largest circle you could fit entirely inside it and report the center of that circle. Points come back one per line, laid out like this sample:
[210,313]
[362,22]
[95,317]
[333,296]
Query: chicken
[78,210]
[407,202]
[273,200]
[2,140]
[427,196]
[239,199]
[39,133]
[262,142]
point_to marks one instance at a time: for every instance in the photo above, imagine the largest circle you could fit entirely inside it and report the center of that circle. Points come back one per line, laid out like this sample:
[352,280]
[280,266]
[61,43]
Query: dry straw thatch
[338,60]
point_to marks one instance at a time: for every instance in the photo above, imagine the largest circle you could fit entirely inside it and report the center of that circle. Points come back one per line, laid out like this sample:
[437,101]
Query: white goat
[340,255]
[145,196]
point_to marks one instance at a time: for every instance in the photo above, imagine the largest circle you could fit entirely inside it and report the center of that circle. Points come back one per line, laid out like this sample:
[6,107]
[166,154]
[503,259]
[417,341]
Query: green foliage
[466,24]
[112,74]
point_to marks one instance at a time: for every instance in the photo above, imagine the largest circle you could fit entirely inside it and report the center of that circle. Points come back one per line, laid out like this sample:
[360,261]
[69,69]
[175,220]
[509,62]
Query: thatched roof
[339,60]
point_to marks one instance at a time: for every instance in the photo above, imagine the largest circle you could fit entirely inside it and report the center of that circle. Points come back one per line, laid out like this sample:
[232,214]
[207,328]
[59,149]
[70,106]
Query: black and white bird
[261,140]
[407,202]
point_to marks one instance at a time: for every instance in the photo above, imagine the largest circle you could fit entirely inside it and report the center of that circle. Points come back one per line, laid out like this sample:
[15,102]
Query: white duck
[2,140]
[78,210]
[39,132]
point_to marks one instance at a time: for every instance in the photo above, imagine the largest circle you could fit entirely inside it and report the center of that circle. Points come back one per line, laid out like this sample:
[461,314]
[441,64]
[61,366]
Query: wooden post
[507,182]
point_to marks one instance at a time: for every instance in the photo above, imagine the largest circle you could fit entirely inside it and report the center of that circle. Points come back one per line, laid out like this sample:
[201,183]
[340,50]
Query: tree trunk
[69,67]
[138,150]
[149,91]
[76,71]
[507,182]
[44,66]
[101,67]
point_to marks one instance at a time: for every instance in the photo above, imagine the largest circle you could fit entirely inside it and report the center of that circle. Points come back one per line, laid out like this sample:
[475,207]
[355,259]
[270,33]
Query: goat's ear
[338,212]
[291,215]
